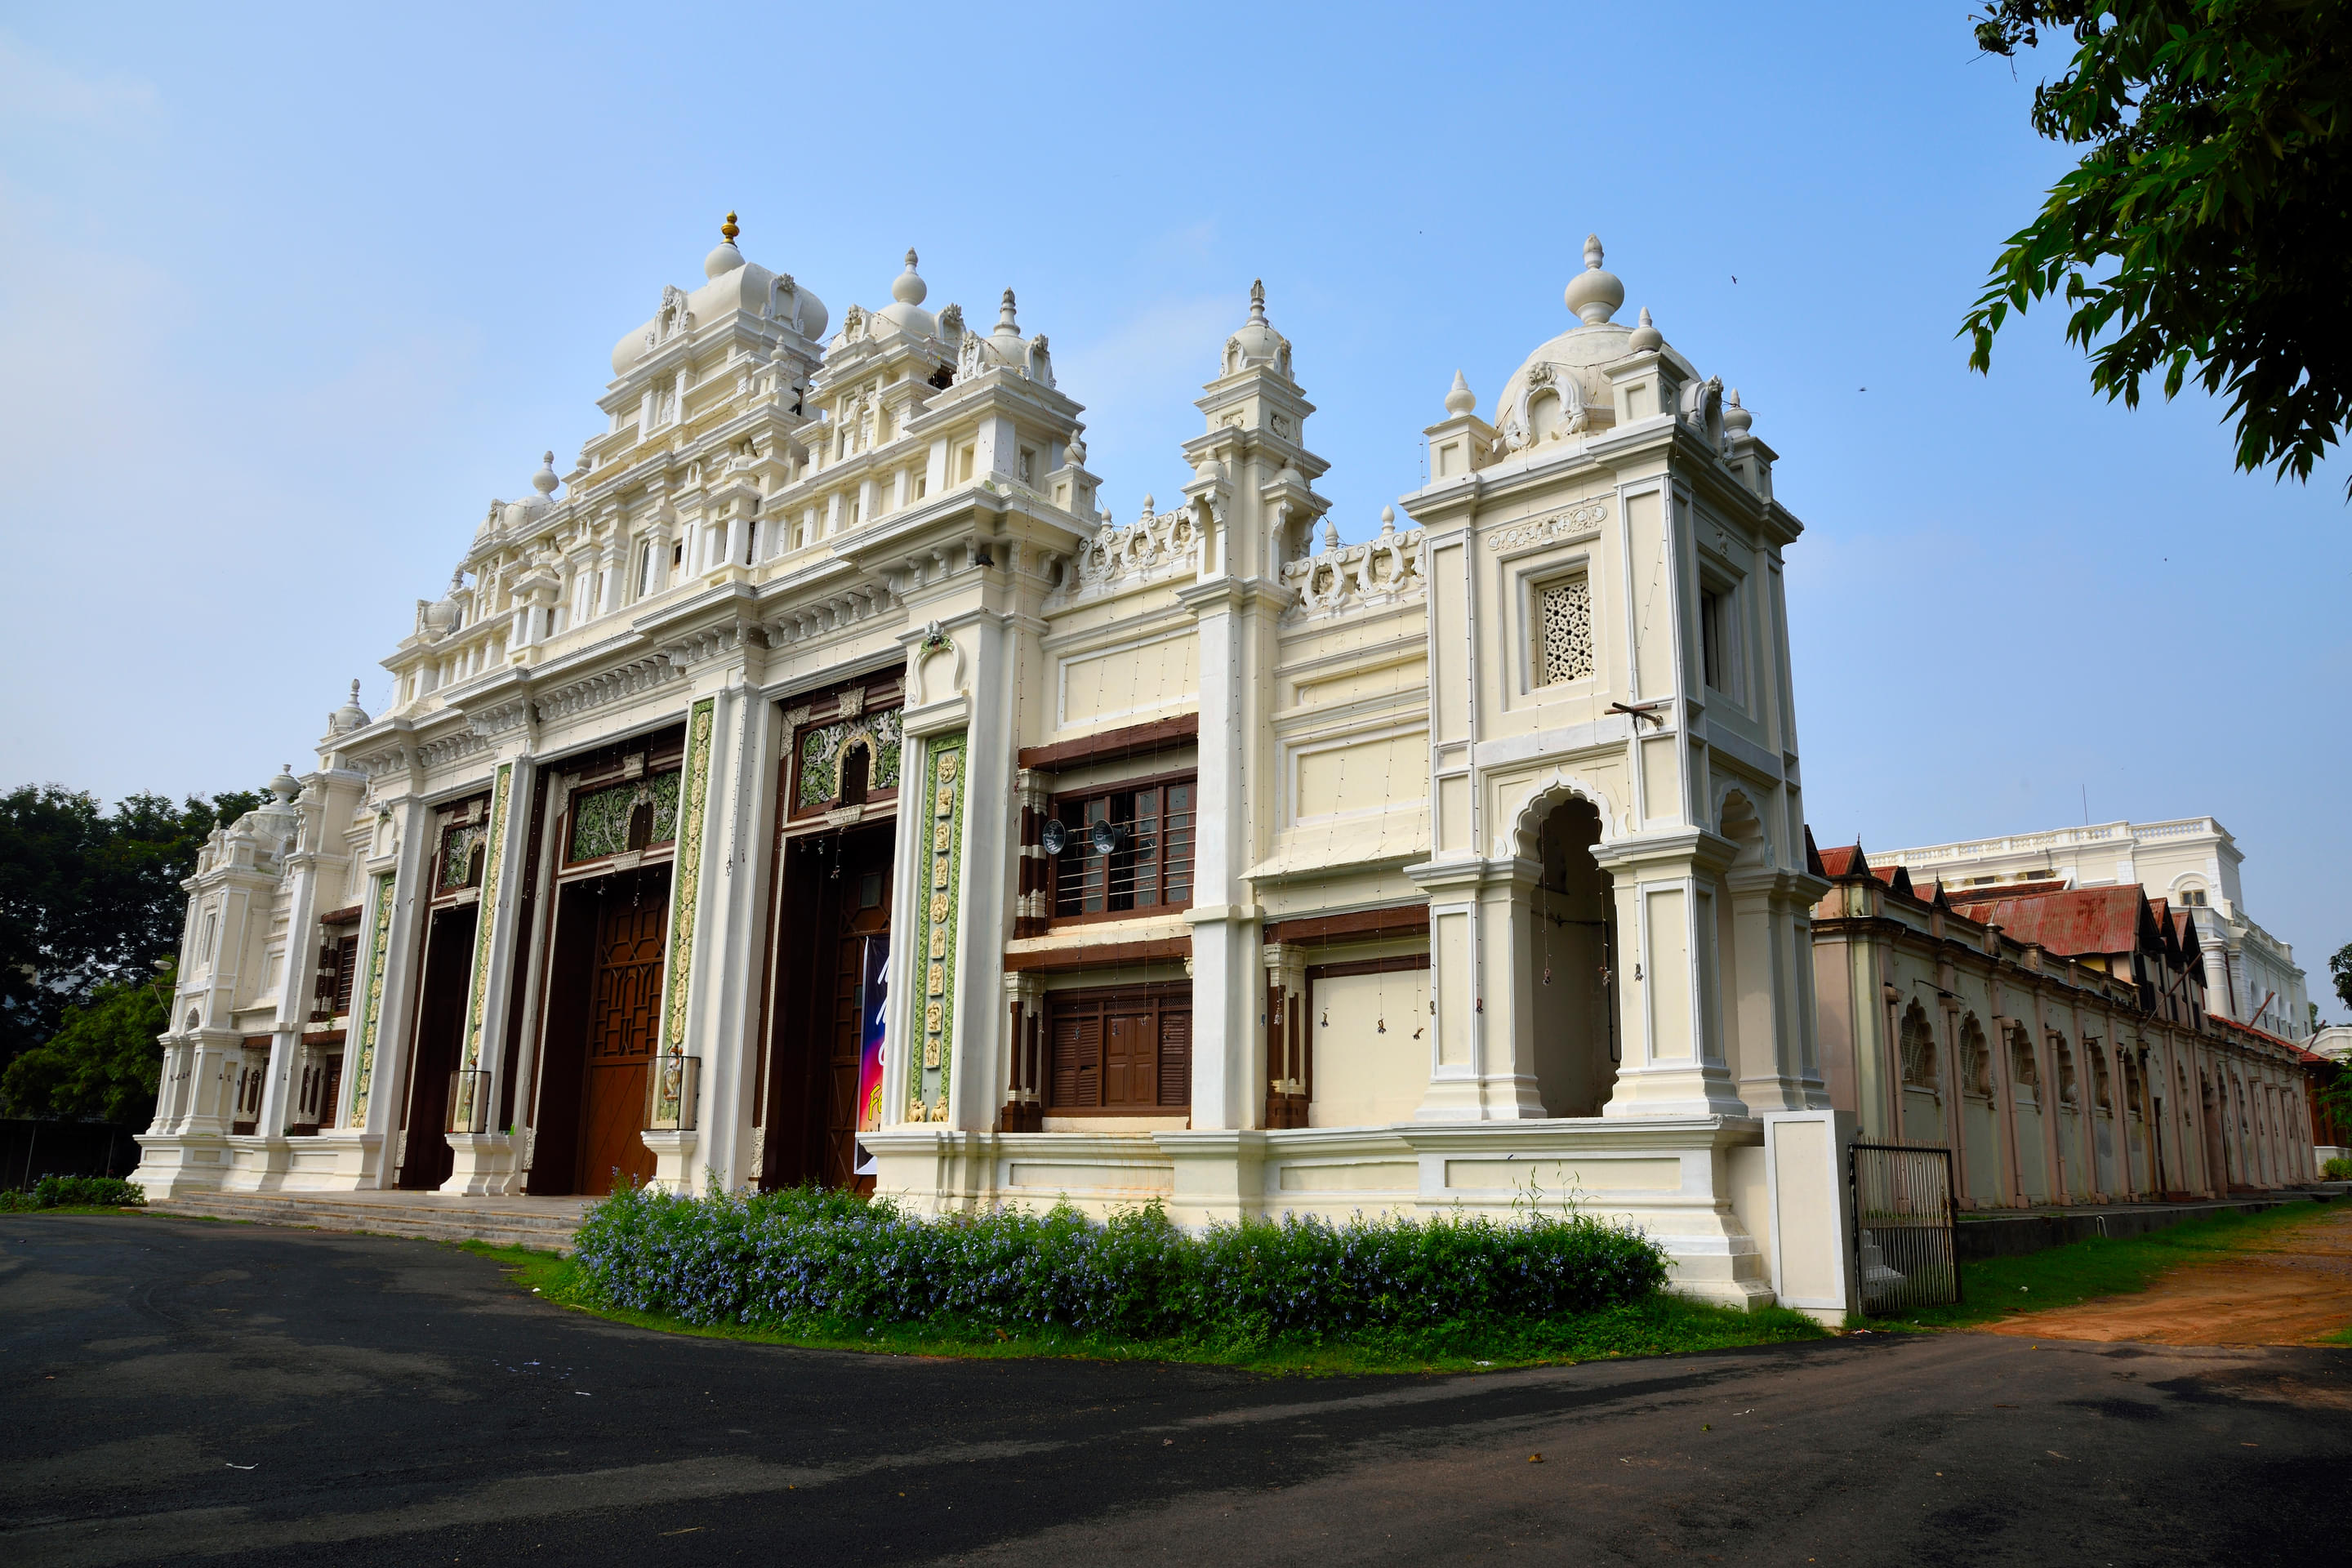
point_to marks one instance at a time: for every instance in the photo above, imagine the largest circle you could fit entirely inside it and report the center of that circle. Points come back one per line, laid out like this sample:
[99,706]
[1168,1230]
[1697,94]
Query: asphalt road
[170,1388]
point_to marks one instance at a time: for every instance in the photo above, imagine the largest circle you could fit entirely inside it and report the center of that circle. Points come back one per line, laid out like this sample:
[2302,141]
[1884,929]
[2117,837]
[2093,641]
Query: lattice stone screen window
[1563,631]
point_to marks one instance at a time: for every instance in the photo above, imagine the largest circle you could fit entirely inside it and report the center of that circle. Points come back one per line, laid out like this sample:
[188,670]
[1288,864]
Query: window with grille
[1149,865]
[1120,1050]
[1918,1050]
[1564,631]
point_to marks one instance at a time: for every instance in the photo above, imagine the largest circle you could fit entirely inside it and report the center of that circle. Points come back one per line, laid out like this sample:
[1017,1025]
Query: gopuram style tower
[813,784]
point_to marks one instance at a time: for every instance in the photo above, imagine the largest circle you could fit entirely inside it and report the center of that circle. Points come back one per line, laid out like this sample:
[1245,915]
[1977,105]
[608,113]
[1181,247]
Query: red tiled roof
[1897,880]
[2085,920]
[1992,890]
[1845,860]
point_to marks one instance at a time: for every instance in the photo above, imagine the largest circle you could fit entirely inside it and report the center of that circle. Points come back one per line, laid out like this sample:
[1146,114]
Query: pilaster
[1673,1051]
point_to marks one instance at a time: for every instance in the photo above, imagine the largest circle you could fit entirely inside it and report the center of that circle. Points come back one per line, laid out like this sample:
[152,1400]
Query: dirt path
[2292,1287]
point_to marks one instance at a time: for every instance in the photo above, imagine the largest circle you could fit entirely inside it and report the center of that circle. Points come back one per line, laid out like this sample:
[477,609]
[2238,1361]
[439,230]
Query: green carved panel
[486,920]
[456,853]
[941,856]
[821,749]
[600,818]
[371,995]
[686,880]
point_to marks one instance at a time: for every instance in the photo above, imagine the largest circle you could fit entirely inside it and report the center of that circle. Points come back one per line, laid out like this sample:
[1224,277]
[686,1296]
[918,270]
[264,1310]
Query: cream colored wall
[1372,1051]
[1127,683]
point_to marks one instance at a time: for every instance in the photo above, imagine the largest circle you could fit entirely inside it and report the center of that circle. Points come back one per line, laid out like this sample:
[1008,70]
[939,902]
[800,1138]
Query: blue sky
[288,295]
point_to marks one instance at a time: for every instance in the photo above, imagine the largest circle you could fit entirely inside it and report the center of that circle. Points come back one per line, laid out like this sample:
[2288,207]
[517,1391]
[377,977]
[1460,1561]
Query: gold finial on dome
[727,231]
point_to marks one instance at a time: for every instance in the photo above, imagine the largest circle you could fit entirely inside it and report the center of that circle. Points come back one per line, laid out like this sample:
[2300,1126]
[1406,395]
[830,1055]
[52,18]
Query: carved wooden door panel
[624,1030]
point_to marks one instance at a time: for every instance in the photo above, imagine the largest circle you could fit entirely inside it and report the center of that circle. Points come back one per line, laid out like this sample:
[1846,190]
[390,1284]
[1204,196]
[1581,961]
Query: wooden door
[623,1028]
[1130,1059]
[844,1037]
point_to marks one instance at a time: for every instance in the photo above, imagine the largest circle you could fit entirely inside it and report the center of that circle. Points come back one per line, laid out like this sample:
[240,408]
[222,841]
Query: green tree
[2340,966]
[90,897]
[103,1062]
[2208,228]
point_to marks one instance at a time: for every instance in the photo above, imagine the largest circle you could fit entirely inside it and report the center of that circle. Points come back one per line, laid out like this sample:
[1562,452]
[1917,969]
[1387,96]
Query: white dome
[350,716]
[734,284]
[631,348]
[1548,394]
[1257,344]
[906,310]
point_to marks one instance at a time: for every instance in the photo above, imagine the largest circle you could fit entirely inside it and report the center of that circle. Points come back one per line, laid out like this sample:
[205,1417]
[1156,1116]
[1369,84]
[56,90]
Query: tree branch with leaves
[2206,231]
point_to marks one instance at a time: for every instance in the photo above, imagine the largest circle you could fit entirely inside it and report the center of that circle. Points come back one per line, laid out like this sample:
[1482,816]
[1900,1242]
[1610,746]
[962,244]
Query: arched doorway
[1570,955]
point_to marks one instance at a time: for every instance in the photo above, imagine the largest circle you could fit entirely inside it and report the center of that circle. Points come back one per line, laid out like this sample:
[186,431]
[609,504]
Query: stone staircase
[544,1223]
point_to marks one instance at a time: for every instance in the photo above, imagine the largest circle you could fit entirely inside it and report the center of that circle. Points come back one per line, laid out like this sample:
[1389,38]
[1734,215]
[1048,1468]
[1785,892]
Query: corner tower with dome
[811,784]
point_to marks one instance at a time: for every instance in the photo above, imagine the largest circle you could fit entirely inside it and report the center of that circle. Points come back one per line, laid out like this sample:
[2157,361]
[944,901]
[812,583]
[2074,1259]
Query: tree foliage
[2206,229]
[90,898]
[2340,967]
[104,1061]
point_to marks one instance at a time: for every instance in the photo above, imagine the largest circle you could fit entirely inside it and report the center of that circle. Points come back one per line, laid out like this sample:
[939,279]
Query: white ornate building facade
[819,788]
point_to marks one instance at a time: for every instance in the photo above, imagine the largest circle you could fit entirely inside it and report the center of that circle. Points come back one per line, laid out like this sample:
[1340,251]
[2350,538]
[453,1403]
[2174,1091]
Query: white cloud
[36,86]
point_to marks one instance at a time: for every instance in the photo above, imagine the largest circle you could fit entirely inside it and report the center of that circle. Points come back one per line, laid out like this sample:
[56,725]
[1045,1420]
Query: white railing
[2056,838]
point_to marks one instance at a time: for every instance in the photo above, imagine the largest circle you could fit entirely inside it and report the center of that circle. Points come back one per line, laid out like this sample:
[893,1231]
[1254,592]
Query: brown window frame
[346,966]
[1166,864]
[1171,1072]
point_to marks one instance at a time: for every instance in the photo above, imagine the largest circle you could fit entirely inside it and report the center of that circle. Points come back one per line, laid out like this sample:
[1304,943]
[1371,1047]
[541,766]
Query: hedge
[65,1191]
[806,1256]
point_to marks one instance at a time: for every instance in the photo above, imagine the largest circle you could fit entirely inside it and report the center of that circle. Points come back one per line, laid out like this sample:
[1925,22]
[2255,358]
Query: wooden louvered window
[1148,868]
[1120,1051]
[347,963]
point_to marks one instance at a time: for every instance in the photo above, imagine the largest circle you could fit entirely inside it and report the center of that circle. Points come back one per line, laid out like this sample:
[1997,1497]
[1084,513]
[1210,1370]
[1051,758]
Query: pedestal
[485,1165]
[673,1160]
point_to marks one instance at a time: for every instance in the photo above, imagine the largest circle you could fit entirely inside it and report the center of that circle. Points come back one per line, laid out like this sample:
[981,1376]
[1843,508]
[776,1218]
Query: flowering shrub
[807,1257]
[63,1192]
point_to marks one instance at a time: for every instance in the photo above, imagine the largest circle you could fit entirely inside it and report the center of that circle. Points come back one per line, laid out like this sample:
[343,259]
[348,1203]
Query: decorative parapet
[380,764]
[503,720]
[713,642]
[616,685]
[1339,579]
[1155,545]
[1576,522]
[831,614]
[451,749]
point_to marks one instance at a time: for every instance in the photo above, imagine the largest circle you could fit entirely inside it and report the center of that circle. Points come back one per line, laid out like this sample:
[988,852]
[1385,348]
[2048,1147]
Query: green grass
[2081,1271]
[74,1209]
[1661,1325]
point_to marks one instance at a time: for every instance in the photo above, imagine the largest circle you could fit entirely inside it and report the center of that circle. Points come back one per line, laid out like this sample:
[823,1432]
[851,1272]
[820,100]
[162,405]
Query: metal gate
[1905,1246]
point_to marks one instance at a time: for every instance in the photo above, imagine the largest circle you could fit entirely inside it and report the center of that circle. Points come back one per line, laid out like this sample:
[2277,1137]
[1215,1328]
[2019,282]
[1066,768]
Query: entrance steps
[544,1223]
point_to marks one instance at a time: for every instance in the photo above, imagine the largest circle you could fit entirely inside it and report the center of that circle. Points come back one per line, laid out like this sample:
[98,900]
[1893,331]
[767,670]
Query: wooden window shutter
[347,955]
[1077,1055]
[1176,1056]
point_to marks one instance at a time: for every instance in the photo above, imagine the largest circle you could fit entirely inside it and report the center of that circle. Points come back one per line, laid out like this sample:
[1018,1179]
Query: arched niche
[1570,950]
